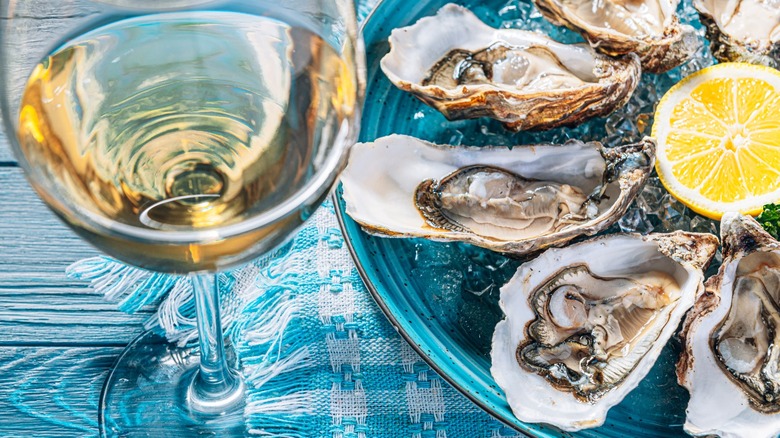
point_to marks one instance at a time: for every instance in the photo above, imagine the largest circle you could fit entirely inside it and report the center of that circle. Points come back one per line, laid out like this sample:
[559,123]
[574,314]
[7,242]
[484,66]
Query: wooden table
[58,338]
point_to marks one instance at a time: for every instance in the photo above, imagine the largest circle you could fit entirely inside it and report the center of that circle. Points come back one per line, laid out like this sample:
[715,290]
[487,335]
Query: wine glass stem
[215,388]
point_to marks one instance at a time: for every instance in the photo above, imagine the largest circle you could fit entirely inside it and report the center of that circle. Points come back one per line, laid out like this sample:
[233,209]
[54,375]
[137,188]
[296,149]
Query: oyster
[466,69]
[731,361]
[649,28]
[515,200]
[742,30]
[585,323]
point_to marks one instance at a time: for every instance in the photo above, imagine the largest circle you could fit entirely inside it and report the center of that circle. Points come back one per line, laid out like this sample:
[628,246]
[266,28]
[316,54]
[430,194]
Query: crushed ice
[479,273]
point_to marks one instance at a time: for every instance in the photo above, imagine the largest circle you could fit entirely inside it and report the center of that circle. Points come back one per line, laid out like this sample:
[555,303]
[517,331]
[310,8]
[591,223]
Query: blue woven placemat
[320,358]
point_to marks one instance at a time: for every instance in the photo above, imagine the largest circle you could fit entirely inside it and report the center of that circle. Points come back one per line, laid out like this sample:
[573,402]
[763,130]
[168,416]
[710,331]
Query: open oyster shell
[516,200]
[466,69]
[731,360]
[585,323]
[649,28]
[742,30]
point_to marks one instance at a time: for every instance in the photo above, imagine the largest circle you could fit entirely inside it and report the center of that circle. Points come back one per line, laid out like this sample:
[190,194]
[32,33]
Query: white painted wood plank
[31,30]
[38,303]
[5,148]
[63,297]
[29,40]
[36,247]
[49,9]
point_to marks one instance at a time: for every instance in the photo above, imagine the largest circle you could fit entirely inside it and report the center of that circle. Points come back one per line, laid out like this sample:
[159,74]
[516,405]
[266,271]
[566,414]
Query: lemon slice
[718,133]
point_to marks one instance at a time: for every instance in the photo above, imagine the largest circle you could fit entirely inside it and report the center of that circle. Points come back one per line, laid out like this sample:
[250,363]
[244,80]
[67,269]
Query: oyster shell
[515,200]
[730,364]
[466,69]
[585,323]
[742,30]
[649,28]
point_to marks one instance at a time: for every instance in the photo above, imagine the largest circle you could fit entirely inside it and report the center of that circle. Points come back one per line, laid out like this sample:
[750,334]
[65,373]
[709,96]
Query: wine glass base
[147,394]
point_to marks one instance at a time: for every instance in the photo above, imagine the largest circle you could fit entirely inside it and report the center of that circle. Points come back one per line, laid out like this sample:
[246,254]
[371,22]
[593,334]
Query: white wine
[184,122]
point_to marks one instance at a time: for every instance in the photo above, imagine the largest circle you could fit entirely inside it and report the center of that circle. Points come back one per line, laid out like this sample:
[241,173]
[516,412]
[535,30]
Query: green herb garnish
[770,219]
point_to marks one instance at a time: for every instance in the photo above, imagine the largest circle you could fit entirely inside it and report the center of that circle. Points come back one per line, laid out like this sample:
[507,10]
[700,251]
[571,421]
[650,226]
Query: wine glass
[182,136]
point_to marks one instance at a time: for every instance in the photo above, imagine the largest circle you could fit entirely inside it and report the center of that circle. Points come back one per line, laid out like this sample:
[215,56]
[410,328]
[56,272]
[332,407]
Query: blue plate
[443,297]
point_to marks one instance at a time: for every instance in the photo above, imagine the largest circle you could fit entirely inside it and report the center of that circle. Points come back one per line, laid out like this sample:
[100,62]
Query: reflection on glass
[188,141]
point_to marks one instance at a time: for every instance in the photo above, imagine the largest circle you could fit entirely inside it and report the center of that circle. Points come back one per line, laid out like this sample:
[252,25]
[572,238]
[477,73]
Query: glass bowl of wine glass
[182,136]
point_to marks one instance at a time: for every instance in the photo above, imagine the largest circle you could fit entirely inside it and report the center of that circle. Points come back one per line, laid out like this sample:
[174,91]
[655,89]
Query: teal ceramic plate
[443,297]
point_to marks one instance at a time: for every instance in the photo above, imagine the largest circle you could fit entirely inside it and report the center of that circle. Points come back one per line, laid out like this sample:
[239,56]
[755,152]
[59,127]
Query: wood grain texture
[52,392]
[36,246]
[48,390]
[6,157]
[38,303]
[58,338]
[31,30]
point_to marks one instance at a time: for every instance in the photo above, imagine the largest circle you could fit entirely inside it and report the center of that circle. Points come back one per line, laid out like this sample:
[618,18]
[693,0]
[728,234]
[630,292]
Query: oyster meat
[516,200]
[584,324]
[649,28]
[499,204]
[466,69]
[742,30]
[731,360]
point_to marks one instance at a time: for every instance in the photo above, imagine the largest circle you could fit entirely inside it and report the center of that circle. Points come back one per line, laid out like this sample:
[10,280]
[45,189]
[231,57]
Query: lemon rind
[690,197]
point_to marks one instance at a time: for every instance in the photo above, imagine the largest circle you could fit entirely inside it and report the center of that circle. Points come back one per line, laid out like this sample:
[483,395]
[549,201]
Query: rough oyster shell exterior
[415,49]
[731,48]
[718,405]
[658,53]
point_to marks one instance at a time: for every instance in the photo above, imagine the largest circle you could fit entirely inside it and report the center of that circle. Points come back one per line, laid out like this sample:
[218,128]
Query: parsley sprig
[770,219]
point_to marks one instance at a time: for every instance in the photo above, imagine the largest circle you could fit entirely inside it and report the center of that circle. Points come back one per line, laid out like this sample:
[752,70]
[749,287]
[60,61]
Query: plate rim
[341,214]
[337,199]
[345,222]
